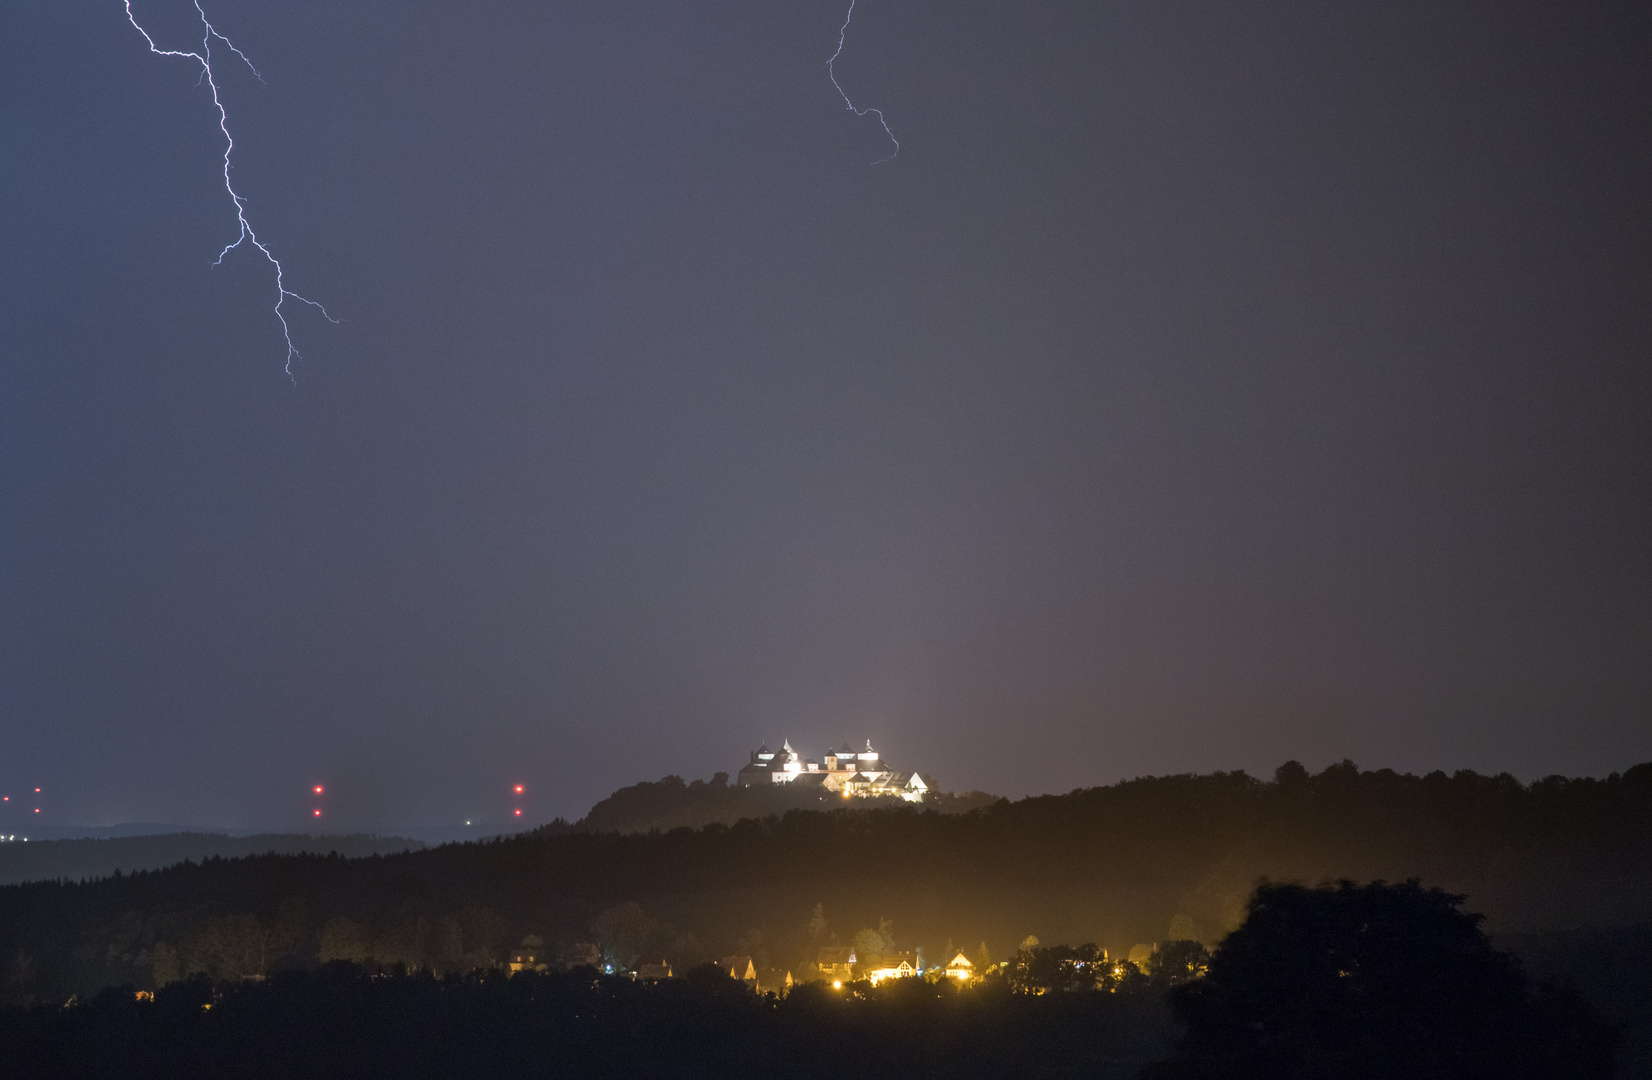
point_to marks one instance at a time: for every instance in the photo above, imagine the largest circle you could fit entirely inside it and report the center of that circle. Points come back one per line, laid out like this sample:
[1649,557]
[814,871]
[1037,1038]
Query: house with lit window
[529,957]
[960,968]
[901,965]
[836,965]
[844,771]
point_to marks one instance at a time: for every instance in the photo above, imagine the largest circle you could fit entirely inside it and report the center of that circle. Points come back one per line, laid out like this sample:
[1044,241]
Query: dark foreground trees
[344,1023]
[1352,982]
[1376,981]
[1118,866]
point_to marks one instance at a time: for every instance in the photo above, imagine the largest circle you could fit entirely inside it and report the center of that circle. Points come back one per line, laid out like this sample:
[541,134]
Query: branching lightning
[841,34]
[248,236]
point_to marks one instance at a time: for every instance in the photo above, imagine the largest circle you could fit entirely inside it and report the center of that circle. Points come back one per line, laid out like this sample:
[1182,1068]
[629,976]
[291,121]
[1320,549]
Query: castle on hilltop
[851,773]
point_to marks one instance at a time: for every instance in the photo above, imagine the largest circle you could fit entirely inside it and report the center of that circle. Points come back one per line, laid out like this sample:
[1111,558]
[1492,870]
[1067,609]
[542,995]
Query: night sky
[1203,385]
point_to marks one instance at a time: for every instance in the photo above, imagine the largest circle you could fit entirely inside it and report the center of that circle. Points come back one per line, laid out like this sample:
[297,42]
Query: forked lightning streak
[248,236]
[841,34]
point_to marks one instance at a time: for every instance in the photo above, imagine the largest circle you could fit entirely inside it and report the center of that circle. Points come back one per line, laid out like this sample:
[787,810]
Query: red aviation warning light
[518,811]
[317,813]
[519,789]
[318,789]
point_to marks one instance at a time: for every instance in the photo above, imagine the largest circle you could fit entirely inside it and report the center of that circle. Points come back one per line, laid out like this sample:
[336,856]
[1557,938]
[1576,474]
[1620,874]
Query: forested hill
[41,860]
[669,803]
[1134,862]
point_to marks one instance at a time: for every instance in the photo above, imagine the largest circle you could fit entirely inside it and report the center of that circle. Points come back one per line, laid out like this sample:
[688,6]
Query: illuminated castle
[851,773]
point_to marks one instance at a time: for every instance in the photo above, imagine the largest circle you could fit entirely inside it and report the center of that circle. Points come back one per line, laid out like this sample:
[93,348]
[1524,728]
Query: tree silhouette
[1176,962]
[1368,981]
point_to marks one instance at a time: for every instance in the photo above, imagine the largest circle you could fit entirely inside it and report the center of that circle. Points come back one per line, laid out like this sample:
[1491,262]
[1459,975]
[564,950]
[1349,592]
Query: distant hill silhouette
[1136,862]
[46,860]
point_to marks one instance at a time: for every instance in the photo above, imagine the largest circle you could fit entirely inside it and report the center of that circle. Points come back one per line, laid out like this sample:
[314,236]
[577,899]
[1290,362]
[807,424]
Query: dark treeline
[1136,862]
[1364,982]
[44,860]
[341,1022]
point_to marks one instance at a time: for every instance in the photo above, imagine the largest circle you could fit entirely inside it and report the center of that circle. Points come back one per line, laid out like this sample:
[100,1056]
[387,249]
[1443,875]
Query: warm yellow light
[837,985]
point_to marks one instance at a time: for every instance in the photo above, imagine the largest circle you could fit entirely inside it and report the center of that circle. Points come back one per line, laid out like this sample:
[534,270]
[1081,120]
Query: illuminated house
[836,965]
[960,968]
[530,957]
[895,966]
[852,773]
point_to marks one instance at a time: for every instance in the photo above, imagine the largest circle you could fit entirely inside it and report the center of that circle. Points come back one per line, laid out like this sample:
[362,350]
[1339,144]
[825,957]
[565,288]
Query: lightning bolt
[248,236]
[841,34]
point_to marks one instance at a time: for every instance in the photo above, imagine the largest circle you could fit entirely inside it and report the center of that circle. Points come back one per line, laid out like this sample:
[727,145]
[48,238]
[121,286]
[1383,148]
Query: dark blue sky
[1204,385]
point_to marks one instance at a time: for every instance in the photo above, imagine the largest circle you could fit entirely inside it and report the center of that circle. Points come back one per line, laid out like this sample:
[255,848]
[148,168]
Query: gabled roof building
[851,773]
[898,965]
[741,968]
[836,964]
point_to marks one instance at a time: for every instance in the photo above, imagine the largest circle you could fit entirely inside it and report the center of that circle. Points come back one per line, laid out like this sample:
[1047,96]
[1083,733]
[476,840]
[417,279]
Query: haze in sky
[1202,386]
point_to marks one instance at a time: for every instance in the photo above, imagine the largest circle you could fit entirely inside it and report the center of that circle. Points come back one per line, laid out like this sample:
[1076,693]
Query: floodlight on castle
[845,771]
